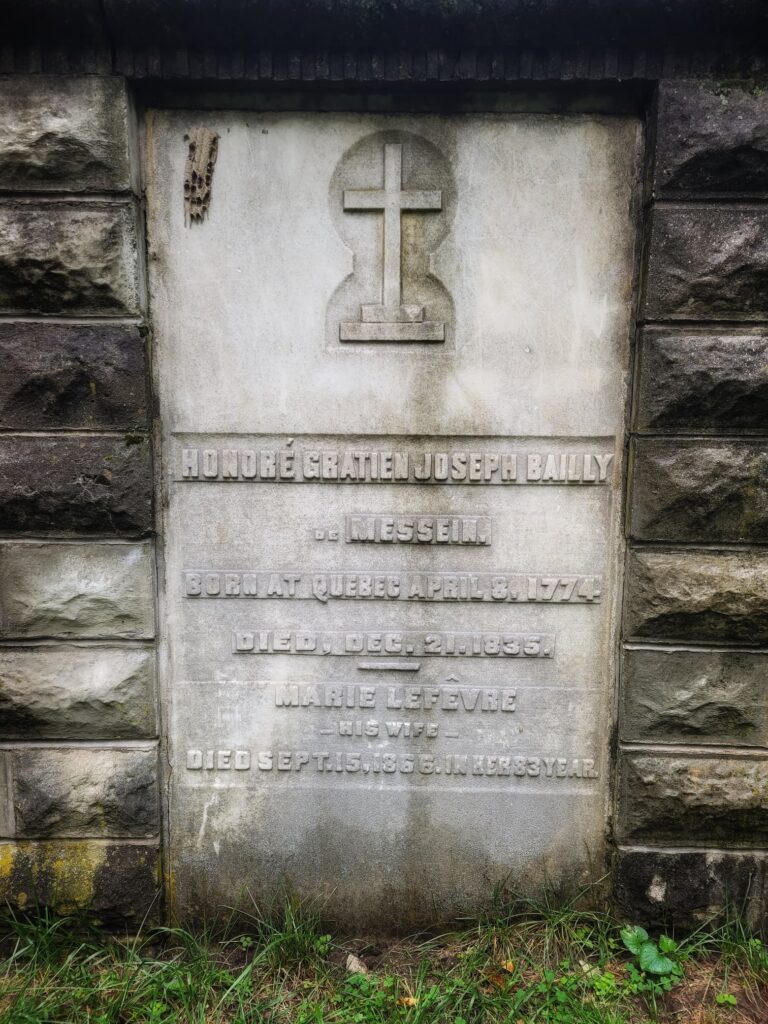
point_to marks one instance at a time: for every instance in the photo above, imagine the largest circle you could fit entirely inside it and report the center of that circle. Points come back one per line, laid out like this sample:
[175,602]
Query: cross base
[392,323]
[422,330]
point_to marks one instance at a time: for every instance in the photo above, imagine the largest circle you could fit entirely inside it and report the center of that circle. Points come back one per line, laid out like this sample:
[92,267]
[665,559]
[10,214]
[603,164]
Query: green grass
[536,965]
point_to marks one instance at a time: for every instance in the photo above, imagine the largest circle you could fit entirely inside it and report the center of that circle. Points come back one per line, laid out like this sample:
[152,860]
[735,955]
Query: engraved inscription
[395,586]
[512,766]
[466,645]
[429,699]
[371,728]
[343,465]
[219,760]
[395,698]
[417,529]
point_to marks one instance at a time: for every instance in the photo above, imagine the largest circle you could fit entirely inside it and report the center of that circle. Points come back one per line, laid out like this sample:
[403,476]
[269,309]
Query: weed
[536,965]
[653,957]
[726,999]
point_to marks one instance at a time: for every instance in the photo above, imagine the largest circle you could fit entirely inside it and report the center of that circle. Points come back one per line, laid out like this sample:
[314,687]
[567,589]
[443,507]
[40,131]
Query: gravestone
[392,363]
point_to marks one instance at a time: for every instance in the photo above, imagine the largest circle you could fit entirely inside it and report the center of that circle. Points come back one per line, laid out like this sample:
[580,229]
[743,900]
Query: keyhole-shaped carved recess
[392,198]
[198,173]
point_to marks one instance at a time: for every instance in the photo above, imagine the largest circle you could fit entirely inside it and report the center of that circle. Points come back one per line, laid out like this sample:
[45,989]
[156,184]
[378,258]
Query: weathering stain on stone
[113,883]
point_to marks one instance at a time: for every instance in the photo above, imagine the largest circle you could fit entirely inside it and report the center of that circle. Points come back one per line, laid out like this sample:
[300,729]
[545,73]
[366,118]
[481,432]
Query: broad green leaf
[667,945]
[653,961]
[633,938]
[725,999]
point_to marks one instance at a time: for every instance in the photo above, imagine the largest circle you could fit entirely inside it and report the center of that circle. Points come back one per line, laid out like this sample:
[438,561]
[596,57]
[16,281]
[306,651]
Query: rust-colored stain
[198,173]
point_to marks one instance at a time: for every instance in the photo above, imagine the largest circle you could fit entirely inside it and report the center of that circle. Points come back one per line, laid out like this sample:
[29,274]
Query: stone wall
[692,792]
[79,798]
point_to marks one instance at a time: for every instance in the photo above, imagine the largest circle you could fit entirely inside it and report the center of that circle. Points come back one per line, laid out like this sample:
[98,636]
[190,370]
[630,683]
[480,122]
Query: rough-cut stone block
[708,263]
[113,883]
[711,138]
[77,693]
[702,382]
[76,590]
[710,491]
[74,376]
[666,888]
[65,133]
[68,258]
[700,697]
[701,596]
[85,792]
[672,798]
[75,485]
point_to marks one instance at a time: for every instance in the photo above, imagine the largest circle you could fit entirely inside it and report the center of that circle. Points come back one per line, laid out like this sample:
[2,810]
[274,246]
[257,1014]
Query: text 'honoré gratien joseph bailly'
[342,465]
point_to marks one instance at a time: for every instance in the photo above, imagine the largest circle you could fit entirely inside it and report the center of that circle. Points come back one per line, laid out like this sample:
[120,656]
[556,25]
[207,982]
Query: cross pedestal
[389,319]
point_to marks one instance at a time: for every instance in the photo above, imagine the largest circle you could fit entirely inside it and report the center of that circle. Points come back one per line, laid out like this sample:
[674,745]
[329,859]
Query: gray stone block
[77,693]
[114,883]
[7,823]
[692,801]
[708,263]
[710,491]
[75,485]
[702,382]
[70,375]
[711,138]
[700,596]
[85,792]
[68,258]
[689,888]
[700,697]
[65,133]
[76,590]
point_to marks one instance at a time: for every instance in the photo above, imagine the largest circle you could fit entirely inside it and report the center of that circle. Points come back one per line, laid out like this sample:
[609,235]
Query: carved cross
[392,199]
